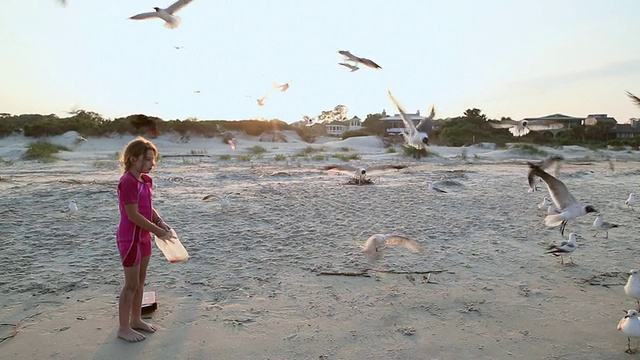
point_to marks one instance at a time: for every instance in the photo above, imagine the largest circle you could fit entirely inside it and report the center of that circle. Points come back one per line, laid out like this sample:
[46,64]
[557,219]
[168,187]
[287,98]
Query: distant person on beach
[138,219]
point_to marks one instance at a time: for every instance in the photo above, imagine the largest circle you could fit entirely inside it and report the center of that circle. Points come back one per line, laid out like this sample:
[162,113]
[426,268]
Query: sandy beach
[271,276]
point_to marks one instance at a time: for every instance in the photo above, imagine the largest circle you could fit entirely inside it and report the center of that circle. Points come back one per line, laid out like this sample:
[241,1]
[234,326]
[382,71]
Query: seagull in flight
[523,127]
[350,67]
[634,98]
[563,200]
[375,244]
[358,60]
[283,87]
[261,101]
[412,136]
[170,21]
[565,248]
[547,163]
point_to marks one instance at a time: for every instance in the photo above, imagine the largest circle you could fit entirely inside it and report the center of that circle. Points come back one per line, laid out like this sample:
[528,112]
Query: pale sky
[517,58]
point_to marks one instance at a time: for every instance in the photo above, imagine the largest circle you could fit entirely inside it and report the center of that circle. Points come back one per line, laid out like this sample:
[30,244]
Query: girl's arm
[159,221]
[135,217]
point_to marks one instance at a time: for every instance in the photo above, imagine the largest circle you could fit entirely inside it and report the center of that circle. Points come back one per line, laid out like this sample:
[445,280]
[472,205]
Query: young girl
[138,219]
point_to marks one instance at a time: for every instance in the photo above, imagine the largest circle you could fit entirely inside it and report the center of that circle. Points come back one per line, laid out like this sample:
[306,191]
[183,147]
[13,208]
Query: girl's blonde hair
[135,148]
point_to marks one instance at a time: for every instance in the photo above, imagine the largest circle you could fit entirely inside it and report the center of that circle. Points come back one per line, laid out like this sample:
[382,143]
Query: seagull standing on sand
[544,205]
[632,288]
[350,67]
[71,209]
[630,326]
[412,136]
[600,224]
[631,200]
[563,200]
[375,244]
[170,21]
[565,248]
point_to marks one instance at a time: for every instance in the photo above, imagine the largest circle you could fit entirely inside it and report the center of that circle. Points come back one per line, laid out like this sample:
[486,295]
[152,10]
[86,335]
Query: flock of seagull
[561,208]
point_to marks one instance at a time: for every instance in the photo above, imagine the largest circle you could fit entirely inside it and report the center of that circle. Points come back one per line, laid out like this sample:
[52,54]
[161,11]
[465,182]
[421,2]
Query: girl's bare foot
[130,335]
[144,326]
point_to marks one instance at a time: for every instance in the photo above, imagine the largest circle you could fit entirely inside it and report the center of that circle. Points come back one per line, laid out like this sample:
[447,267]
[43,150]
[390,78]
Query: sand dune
[258,282]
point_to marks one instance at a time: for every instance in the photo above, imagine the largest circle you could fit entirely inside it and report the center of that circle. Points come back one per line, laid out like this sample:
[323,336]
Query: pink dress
[134,243]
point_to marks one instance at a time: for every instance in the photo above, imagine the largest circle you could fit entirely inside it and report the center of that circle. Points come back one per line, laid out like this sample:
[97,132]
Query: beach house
[395,125]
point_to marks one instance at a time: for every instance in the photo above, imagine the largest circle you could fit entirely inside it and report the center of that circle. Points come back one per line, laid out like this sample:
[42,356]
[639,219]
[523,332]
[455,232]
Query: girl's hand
[162,233]
[164,225]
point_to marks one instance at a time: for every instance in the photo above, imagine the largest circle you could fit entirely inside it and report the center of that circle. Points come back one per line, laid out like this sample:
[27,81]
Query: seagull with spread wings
[523,127]
[634,98]
[358,60]
[412,137]
[360,173]
[375,244]
[261,100]
[170,20]
[568,206]
[283,87]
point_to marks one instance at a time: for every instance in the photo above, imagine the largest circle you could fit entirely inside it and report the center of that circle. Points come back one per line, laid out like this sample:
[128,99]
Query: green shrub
[256,150]
[417,153]
[43,151]
[279,157]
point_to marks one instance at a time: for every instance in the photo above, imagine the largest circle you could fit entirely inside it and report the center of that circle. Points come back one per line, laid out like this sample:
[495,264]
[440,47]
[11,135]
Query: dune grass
[44,151]
[279,157]
[224,157]
[417,153]
[529,149]
[257,150]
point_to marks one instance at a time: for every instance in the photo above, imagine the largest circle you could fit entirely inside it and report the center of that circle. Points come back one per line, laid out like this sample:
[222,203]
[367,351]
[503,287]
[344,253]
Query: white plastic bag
[172,248]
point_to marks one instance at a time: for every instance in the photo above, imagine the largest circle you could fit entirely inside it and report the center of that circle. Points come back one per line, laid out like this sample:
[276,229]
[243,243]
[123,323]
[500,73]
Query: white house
[336,128]
[396,126]
[355,124]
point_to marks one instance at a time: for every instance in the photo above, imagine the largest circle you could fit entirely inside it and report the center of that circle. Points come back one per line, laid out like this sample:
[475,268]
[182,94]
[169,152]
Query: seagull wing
[634,98]
[409,125]
[177,6]
[147,15]
[545,127]
[403,241]
[349,56]
[369,63]
[210,197]
[560,195]
[503,124]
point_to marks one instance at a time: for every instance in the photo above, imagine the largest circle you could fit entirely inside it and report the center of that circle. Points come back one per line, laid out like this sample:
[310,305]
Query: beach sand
[268,278]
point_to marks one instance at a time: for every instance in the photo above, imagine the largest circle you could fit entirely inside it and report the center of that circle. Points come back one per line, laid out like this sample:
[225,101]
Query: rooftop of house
[624,128]
[397,117]
[556,117]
